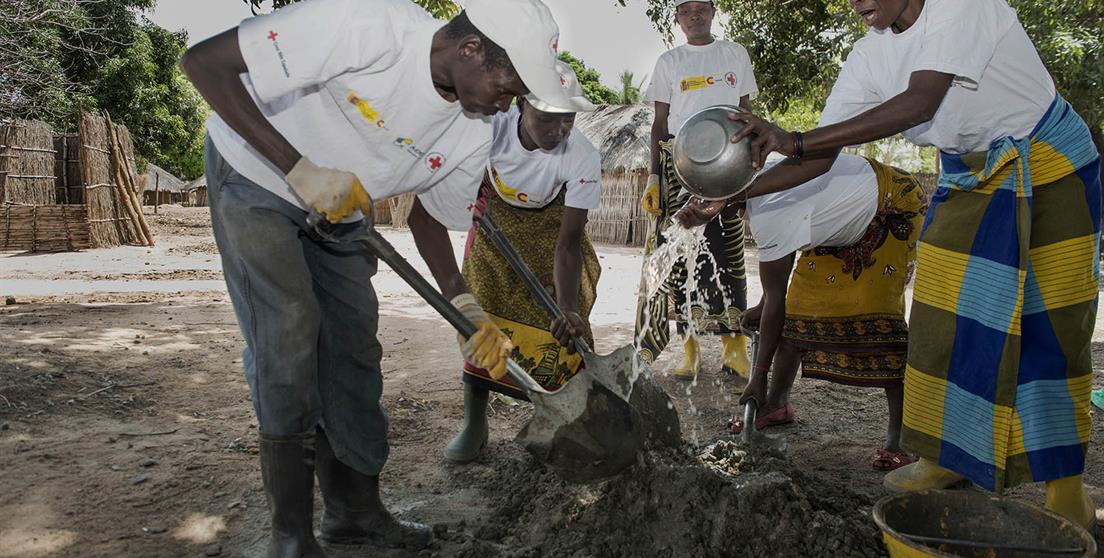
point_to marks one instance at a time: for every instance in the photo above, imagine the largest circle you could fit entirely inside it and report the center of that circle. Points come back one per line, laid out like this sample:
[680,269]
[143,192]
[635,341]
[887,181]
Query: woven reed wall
[44,228]
[400,209]
[618,218]
[108,221]
[68,183]
[27,163]
[196,197]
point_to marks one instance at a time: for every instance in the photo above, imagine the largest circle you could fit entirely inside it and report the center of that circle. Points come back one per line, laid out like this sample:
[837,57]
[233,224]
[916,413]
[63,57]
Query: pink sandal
[777,417]
[885,460]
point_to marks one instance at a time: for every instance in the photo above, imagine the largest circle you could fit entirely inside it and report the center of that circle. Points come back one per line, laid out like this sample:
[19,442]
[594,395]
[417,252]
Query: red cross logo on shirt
[272,35]
[434,161]
[731,79]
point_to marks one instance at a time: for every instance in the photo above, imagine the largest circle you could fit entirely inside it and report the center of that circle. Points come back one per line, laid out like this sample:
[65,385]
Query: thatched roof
[621,133]
[169,183]
[200,182]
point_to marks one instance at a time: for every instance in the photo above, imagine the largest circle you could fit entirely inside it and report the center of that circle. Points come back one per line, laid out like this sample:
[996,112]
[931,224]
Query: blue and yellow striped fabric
[999,368]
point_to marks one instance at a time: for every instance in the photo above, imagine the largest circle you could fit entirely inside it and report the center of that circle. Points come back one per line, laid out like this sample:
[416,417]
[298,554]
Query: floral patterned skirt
[845,308]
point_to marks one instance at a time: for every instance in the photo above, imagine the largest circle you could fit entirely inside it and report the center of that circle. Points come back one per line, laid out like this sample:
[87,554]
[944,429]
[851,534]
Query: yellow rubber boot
[691,360]
[1067,498]
[921,475]
[735,356]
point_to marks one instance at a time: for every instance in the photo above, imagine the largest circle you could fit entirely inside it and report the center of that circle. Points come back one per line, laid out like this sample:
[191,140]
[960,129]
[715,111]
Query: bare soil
[126,430]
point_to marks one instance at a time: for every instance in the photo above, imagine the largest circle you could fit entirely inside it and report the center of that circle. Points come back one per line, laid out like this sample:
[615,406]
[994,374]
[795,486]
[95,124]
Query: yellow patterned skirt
[533,234]
[845,308]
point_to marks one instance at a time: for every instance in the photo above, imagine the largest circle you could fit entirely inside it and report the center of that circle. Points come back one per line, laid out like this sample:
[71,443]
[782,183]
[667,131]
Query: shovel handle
[527,276]
[386,252]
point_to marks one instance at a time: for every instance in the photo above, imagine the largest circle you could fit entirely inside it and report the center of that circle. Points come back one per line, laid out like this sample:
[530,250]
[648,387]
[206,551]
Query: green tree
[440,9]
[58,56]
[797,47]
[143,88]
[591,81]
[630,89]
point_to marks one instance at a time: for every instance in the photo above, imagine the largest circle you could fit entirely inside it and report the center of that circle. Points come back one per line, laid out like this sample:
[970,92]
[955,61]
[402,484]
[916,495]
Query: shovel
[621,372]
[750,437]
[584,431]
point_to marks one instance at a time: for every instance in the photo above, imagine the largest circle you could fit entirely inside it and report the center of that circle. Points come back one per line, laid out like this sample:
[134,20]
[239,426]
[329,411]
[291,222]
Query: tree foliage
[797,47]
[630,89]
[59,56]
[591,81]
[440,9]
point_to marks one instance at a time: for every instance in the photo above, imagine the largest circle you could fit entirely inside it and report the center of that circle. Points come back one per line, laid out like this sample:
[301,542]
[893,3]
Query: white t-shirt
[833,209]
[691,78]
[347,82]
[1001,87]
[533,179]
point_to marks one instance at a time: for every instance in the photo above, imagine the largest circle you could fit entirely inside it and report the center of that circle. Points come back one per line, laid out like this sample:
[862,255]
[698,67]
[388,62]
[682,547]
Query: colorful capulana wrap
[533,233]
[845,307]
[999,364]
[714,311]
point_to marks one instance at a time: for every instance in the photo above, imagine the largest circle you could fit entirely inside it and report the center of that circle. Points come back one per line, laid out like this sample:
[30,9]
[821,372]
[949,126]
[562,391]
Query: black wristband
[799,144]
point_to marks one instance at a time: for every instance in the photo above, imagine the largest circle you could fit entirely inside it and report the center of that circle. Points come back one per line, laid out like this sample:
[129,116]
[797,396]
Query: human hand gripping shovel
[584,431]
[622,372]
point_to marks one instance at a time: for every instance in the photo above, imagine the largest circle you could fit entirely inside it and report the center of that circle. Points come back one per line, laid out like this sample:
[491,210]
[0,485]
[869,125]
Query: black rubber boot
[287,469]
[354,514]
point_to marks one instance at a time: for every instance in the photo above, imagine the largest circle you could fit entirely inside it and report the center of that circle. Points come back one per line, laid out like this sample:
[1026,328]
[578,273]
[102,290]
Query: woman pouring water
[999,364]
[688,78]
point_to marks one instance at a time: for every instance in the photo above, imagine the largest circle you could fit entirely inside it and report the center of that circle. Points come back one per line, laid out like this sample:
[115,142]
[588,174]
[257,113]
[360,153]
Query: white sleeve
[659,89]
[748,86]
[961,36]
[451,201]
[583,178]
[853,93]
[311,42]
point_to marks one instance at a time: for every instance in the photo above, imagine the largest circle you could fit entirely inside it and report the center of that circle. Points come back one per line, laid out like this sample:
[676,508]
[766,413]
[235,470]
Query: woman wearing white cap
[324,105]
[702,73]
[541,179]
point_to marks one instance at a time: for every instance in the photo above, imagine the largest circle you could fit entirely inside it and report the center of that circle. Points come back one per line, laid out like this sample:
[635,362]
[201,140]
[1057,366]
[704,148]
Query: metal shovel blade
[621,372]
[594,426]
[585,430]
[751,437]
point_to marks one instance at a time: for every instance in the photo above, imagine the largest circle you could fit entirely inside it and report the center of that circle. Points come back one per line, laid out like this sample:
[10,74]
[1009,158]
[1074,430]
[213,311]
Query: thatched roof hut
[621,133]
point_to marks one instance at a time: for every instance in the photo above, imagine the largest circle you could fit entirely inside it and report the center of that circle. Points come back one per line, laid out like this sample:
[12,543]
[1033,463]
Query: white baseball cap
[526,31]
[681,2]
[576,100]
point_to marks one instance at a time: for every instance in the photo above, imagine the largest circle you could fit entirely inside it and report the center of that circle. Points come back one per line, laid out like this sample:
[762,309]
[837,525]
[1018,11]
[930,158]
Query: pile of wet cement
[721,501]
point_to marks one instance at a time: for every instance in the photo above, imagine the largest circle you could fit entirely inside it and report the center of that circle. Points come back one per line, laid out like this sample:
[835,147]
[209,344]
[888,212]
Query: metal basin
[708,164]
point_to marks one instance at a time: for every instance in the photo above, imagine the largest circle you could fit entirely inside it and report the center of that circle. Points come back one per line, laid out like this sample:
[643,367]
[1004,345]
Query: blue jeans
[309,315]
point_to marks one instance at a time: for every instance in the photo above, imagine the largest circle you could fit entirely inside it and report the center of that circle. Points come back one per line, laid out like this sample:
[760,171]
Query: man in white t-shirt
[701,73]
[842,315]
[325,105]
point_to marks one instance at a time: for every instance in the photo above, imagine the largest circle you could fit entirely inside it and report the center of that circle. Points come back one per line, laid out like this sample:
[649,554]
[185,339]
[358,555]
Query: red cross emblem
[434,161]
[272,35]
[731,79]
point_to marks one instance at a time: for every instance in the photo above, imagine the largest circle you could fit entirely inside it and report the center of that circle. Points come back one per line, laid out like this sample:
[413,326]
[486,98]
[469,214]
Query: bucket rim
[877,511]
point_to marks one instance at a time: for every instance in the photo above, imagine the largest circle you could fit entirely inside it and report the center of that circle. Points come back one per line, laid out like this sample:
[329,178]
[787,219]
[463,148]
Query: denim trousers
[309,316]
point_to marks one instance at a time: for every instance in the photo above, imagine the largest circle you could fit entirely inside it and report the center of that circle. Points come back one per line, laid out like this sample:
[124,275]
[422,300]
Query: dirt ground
[126,430]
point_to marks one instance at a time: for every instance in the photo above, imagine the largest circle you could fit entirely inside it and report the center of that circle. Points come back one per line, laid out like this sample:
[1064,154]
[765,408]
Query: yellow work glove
[487,348]
[650,201]
[331,192]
